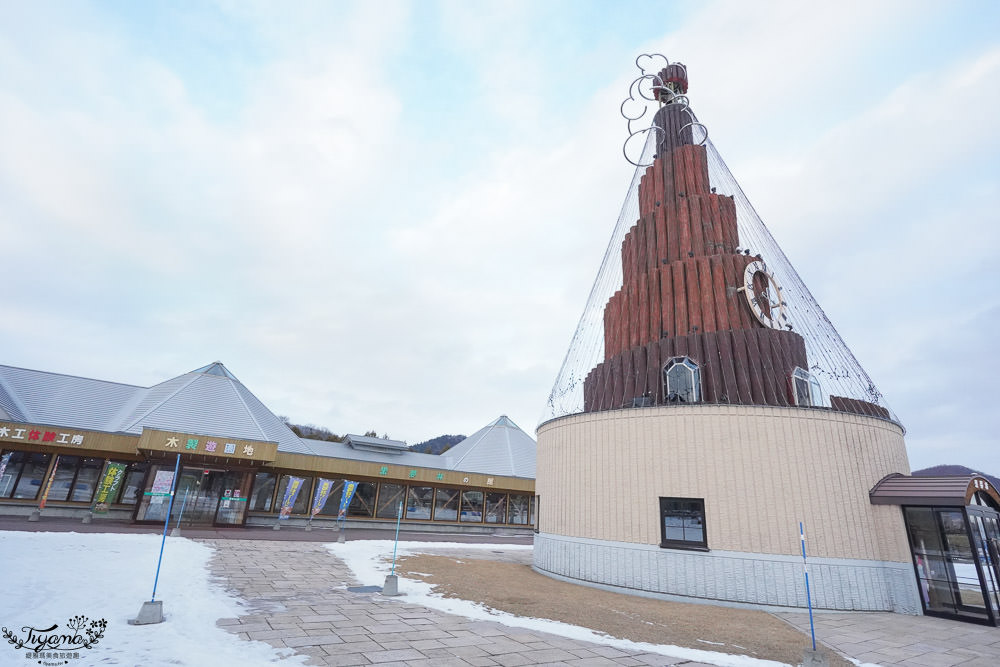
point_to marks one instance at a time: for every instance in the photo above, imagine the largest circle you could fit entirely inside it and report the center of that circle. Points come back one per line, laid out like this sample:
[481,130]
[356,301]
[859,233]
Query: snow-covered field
[368,561]
[48,578]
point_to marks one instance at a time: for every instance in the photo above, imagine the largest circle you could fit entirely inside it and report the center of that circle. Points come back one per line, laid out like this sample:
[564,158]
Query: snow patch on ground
[51,577]
[369,561]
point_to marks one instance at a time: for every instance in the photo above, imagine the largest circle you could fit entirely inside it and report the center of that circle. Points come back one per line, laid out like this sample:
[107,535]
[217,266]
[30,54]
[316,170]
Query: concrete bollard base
[811,658]
[391,587]
[151,612]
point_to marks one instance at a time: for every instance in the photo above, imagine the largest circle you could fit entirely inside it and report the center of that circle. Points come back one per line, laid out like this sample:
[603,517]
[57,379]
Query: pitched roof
[208,400]
[499,448]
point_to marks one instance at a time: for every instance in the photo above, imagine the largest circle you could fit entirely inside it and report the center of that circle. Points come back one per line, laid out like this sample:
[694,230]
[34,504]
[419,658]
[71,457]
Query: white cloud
[365,256]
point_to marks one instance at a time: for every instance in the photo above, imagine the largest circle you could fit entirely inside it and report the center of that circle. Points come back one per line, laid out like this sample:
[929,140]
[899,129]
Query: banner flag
[291,495]
[345,499]
[107,490]
[48,486]
[323,489]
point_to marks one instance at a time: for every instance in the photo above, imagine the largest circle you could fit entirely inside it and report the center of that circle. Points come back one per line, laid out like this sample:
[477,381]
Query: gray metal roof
[499,448]
[212,401]
[205,401]
[343,450]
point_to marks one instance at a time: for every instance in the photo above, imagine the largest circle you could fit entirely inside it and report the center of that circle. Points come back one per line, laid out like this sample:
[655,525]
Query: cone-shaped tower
[706,405]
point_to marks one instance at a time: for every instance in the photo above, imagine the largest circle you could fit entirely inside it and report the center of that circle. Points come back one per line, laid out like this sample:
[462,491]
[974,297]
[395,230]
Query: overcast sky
[389,215]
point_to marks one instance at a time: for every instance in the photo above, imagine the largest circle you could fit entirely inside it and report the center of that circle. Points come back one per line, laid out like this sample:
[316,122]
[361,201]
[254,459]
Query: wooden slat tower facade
[681,293]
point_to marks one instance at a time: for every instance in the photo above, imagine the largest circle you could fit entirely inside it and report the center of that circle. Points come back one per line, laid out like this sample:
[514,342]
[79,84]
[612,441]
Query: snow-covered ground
[370,561]
[48,578]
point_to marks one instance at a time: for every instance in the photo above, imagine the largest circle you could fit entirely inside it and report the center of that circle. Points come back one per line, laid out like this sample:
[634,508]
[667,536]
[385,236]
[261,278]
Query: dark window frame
[693,545]
[693,368]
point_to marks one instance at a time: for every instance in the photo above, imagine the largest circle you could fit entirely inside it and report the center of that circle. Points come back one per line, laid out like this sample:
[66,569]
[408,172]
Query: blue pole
[805,568]
[166,522]
[399,517]
[183,503]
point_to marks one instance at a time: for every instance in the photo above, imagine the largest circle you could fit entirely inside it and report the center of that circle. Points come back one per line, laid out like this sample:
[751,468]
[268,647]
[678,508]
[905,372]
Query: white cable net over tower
[830,377]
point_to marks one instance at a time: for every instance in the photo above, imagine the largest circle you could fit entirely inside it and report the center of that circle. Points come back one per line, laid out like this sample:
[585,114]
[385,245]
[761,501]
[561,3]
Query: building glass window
[11,462]
[519,513]
[363,502]
[389,497]
[807,390]
[682,523]
[445,504]
[86,480]
[496,504]
[419,501]
[134,475]
[332,505]
[32,476]
[301,505]
[472,506]
[263,492]
[63,478]
[681,381]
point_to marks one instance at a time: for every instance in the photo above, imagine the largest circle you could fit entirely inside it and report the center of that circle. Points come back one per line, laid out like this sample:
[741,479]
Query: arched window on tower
[681,381]
[806,389]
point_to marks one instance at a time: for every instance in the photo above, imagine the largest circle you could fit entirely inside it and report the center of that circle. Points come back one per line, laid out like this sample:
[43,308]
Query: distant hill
[437,445]
[955,470]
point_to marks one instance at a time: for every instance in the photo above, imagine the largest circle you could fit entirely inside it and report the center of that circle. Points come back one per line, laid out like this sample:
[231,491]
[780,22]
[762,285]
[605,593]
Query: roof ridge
[233,381]
[476,443]
[160,403]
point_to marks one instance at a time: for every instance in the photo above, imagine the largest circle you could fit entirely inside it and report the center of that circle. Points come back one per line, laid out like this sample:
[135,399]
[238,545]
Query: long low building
[73,445]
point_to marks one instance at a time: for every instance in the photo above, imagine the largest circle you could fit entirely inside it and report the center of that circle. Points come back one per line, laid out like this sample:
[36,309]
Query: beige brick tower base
[760,470]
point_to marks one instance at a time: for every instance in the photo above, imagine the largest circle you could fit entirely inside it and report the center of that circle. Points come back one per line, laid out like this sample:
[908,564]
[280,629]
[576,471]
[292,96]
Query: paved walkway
[298,591]
[907,641]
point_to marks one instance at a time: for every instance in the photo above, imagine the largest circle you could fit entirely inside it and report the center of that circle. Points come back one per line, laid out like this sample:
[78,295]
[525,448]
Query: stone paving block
[366,646]
[937,660]
[512,660]
[379,657]
[459,641]
[347,660]
[467,651]
[594,661]
[314,640]
[482,661]
[422,644]
[550,655]
[657,660]
[608,652]
[500,645]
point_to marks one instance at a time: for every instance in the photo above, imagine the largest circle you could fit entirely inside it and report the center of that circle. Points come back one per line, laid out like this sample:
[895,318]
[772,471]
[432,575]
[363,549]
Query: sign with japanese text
[107,489]
[291,495]
[188,443]
[42,435]
[323,488]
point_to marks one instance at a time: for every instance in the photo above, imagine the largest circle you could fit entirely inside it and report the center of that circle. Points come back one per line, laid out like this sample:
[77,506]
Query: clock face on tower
[763,295]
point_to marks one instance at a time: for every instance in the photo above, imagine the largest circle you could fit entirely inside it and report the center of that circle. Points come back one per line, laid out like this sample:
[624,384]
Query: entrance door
[203,496]
[945,562]
[985,525]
